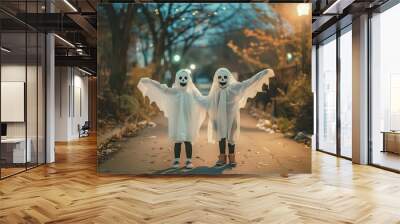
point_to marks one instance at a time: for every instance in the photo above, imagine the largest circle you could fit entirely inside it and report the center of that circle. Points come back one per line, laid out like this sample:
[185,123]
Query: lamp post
[303,9]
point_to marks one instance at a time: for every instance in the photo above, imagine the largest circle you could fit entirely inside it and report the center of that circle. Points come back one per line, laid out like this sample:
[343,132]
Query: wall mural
[204,88]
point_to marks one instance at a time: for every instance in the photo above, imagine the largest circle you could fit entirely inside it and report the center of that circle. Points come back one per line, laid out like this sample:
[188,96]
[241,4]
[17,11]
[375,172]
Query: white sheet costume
[226,97]
[183,105]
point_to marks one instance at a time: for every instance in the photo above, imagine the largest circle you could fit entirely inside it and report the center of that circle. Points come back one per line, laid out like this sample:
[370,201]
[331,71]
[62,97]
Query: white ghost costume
[226,97]
[183,105]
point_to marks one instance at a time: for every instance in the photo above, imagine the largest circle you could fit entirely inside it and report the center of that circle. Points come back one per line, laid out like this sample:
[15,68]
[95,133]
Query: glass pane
[23,90]
[346,94]
[31,97]
[385,89]
[327,97]
[41,99]
[13,87]
[314,81]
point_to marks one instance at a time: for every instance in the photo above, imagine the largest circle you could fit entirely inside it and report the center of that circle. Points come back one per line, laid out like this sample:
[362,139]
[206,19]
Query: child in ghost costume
[183,106]
[227,96]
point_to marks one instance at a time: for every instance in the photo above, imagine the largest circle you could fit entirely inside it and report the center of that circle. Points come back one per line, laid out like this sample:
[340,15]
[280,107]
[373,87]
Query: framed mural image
[204,88]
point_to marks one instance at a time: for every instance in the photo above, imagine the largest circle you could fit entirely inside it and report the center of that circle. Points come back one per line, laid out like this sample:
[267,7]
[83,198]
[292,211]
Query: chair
[84,130]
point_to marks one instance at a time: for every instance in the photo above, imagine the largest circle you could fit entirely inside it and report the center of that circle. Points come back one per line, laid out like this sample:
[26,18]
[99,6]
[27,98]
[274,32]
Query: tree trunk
[159,56]
[120,25]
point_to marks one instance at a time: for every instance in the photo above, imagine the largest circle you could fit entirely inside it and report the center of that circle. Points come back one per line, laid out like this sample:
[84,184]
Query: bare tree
[120,22]
[174,28]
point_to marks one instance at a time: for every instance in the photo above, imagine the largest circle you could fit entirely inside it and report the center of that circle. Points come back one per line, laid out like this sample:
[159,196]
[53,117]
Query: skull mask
[223,76]
[182,77]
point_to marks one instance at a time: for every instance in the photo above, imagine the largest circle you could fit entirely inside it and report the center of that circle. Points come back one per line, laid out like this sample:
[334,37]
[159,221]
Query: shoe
[175,164]
[221,160]
[232,160]
[189,164]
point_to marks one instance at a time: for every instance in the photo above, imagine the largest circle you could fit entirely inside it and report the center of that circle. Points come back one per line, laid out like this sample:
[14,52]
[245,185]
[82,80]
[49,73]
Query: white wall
[71,94]
[16,73]
[81,96]
[33,127]
[62,82]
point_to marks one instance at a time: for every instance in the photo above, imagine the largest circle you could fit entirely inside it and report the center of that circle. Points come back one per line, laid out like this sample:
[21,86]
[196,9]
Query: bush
[284,124]
[296,106]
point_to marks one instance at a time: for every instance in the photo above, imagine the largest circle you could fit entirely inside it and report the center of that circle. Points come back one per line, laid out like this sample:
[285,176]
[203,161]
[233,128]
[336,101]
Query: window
[346,93]
[327,96]
[22,75]
[385,89]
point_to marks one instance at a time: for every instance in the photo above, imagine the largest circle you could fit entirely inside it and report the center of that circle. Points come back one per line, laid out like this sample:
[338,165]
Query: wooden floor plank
[70,191]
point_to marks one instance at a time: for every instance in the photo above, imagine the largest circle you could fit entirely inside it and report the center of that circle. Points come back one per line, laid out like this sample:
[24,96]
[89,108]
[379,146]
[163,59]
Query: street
[258,152]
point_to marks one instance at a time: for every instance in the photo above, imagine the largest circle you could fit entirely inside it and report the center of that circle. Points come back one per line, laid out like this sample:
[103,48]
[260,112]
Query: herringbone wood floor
[70,191]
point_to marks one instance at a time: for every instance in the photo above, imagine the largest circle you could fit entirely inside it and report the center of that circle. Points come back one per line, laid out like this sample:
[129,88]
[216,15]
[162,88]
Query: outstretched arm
[158,93]
[200,99]
[258,79]
[250,87]
[146,84]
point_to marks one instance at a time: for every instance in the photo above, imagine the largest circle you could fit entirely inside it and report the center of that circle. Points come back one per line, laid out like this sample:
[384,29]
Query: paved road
[257,153]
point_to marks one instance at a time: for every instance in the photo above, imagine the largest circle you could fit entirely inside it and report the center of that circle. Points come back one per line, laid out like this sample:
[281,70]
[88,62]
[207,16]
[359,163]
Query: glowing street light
[192,66]
[289,56]
[177,58]
[303,9]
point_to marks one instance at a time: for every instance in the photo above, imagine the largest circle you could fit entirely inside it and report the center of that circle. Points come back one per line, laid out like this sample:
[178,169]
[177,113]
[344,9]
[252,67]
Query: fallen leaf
[284,175]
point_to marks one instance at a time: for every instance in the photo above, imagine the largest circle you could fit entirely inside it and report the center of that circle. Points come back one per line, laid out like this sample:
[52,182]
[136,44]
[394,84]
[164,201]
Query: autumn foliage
[285,46]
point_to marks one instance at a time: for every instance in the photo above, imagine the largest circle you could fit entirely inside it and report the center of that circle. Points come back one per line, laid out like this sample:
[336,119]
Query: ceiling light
[84,71]
[331,7]
[5,50]
[70,5]
[65,41]
[337,7]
